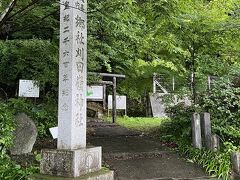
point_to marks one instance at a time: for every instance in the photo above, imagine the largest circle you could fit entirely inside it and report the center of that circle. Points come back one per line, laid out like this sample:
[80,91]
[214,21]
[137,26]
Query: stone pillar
[72,158]
[206,129]
[235,166]
[196,131]
[72,75]
[214,142]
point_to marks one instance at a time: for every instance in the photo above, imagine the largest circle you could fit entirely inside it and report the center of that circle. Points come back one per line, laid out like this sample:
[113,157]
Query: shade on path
[134,156]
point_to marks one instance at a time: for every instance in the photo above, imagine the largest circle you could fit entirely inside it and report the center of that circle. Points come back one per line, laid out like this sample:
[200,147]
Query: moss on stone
[90,176]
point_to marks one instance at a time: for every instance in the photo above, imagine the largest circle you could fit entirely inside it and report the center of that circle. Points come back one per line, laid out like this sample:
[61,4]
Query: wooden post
[114,100]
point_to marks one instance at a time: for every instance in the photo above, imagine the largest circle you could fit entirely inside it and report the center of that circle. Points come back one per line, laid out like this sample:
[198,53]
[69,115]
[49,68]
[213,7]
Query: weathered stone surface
[103,174]
[72,75]
[215,142]
[206,129]
[25,135]
[235,176]
[71,163]
[236,163]
[196,131]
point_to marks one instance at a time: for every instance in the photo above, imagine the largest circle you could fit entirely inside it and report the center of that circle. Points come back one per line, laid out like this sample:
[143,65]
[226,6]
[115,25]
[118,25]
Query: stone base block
[71,163]
[103,174]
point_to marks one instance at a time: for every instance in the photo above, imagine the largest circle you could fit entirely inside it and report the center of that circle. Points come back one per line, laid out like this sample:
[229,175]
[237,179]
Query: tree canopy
[135,37]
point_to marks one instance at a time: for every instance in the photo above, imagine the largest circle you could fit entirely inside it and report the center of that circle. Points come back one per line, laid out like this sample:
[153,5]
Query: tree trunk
[6,12]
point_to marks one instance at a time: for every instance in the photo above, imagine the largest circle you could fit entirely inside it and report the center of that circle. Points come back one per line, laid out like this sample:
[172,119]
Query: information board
[28,88]
[95,92]
[121,102]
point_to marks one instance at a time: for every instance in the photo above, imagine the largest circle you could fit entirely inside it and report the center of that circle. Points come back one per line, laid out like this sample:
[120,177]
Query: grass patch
[140,123]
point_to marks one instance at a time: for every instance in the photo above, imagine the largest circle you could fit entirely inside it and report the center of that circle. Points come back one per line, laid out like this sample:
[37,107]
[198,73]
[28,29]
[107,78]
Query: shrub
[28,59]
[222,102]
[44,115]
[9,169]
[6,127]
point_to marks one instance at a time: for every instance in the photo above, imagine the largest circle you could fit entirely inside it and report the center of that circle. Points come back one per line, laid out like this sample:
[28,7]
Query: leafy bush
[136,108]
[44,115]
[28,59]
[9,169]
[217,164]
[6,127]
[180,124]
[222,102]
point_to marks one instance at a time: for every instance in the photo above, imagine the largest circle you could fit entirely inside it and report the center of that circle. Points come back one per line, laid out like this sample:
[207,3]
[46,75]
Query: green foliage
[32,59]
[44,115]
[217,164]
[135,108]
[180,124]
[29,19]
[10,170]
[223,104]
[6,127]
[140,124]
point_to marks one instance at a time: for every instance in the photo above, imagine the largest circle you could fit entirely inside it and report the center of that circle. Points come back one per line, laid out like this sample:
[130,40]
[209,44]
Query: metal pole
[114,102]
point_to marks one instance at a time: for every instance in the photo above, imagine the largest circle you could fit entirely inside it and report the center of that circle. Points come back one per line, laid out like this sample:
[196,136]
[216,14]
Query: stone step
[136,155]
[103,174]
[195,178]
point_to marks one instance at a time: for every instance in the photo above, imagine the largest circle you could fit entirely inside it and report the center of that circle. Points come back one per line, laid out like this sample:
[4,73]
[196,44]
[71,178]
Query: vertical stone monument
[73,159]
[235,158]
[206,129]
[215,142]
[196,131]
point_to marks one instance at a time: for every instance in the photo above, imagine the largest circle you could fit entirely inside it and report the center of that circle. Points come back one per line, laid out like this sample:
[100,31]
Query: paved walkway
[133,156]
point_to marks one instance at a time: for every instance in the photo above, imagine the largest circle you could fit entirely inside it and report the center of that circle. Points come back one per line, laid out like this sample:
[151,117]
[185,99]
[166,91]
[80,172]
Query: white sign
[54,132]
[121,102]
[95,92]
[28,88]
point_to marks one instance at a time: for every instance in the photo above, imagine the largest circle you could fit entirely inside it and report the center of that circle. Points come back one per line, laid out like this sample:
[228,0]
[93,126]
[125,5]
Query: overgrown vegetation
[187,39]
[8,169]
[44,115]
[222,102]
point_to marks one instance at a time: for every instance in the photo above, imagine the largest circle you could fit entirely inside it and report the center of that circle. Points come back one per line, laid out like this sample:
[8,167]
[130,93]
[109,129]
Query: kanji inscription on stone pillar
[72,75]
